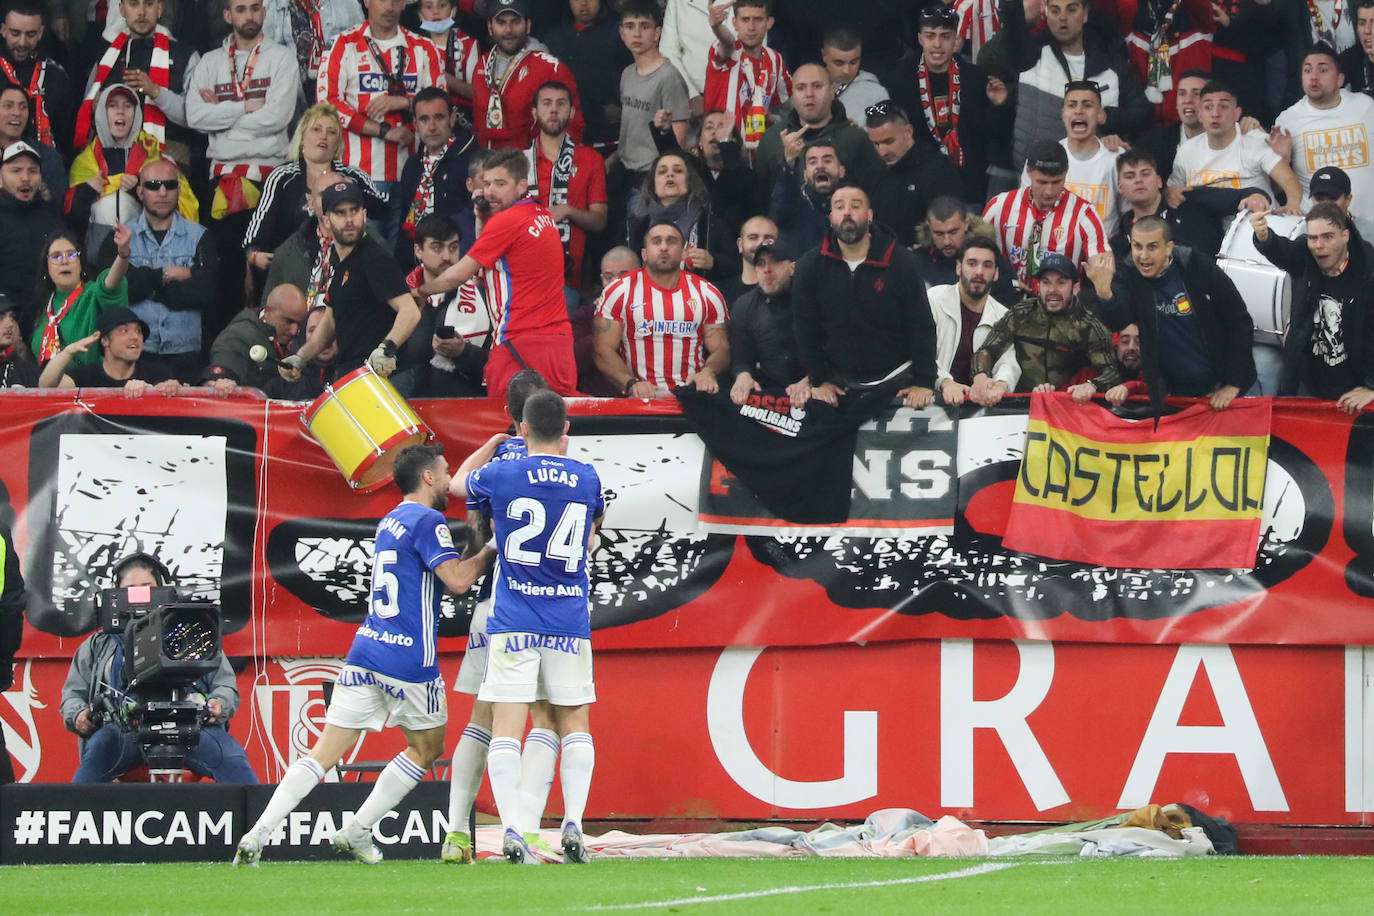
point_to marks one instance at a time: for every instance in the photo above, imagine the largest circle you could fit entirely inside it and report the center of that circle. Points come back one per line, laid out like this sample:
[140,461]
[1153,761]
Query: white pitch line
[984,869]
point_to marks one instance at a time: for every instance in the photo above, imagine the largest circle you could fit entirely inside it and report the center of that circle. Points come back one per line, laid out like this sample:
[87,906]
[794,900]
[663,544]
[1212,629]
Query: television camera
[168,645]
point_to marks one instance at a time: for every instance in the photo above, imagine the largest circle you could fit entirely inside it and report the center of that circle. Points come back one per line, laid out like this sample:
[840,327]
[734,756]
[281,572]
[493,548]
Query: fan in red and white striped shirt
[978,22]
[1044,217]
[656,325]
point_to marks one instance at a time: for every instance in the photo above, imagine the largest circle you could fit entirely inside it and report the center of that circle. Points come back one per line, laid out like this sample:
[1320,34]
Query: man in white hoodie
[243,96]
[964,312]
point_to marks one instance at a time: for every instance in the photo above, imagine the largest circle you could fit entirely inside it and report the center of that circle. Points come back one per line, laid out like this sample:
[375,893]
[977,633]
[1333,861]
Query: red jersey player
[522,255]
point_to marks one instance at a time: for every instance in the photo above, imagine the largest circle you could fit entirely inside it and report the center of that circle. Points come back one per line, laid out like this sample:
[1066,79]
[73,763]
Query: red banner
[1181,494]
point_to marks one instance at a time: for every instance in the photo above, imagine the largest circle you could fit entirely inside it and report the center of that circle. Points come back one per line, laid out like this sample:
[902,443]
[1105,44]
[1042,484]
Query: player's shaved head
[521,385]
[545,418]
[412,463]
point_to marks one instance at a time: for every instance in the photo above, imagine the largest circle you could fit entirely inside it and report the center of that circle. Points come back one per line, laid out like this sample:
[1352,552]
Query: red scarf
[948,141]
[423,204]
[241,85]
[159,69]
[51,343]
[321,275]
[36,93]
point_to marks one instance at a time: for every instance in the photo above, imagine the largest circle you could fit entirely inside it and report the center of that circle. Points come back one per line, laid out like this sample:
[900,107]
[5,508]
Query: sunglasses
[160,184]
[884,109]
[1089,85]
[57,257]
[938,16]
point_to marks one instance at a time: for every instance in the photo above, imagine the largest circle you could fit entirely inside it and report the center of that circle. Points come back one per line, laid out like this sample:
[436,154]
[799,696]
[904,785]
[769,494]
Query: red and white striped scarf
[159,70]
[752,86]
[37,93]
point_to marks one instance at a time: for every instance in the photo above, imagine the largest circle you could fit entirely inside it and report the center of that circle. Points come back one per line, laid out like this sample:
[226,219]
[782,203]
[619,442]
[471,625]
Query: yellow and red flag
[1188,494]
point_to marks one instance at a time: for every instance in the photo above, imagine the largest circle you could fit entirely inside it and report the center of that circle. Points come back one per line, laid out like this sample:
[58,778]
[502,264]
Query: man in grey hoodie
[855,88]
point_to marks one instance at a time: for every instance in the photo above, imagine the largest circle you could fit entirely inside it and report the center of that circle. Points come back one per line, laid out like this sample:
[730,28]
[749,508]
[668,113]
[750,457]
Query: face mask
[436,25]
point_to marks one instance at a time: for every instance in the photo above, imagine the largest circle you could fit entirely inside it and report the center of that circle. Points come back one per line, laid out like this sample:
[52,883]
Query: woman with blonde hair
[285,200]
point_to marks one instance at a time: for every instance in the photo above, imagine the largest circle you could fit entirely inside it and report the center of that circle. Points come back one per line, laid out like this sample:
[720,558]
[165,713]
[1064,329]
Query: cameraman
[108,751]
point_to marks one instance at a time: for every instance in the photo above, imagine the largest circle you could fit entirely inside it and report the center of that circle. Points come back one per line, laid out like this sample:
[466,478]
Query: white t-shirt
[1244,163]
[1093,179]
[1334,136]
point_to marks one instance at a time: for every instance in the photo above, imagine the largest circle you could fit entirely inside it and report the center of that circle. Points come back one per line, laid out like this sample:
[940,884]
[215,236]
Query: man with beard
[569,179]
[120,337]
[452,341]
[1054,337]
[43,79]
[522,255]
[922,173]
[370,75]
[948,225]
[756,231]
[861,316]
[964,313]
[1329,350]
[434,180]
[508,77]
[14,124]
[816,115]
[243,97]
[173,272]
[17,368]
[26,221]
[391,673]
[661,327]
[800,207]
[367,300]
[763,345]
[1195,331]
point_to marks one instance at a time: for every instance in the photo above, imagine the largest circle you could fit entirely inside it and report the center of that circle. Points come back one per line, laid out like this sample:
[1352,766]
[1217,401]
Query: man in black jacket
[1195,332]
[434,180]
[26,221]
[1329,350]
[922,173]
[763,344]
[862,318]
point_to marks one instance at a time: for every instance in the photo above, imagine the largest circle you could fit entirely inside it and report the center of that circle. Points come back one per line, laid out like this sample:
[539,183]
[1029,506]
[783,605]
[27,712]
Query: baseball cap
[19,148]
[1059,263]
[339,193]
[777,248]
[8,305]
[1329,181]
[121,316]
[518,7]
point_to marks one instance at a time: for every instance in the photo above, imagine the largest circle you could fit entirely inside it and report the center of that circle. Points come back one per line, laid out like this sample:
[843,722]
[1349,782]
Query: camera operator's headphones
[143,560]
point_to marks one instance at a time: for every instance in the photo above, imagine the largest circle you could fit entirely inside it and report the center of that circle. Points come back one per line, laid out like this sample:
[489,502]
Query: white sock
[579,757]
[300,777]
[503,768]
[400,776]
[537,761]
[465,778]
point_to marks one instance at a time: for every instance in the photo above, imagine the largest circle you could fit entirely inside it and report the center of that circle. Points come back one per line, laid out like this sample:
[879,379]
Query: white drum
[1266,289]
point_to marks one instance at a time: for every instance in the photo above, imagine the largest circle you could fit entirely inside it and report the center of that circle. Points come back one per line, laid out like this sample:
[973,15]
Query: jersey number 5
[385,585]
[567,542]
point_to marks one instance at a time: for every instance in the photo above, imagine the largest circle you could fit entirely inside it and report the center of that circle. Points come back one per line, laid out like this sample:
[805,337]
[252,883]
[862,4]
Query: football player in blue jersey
[539,753]
[545,508]
[391,675]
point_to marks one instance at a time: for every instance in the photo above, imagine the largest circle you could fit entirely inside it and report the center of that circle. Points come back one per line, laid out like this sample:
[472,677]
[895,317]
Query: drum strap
[516,353]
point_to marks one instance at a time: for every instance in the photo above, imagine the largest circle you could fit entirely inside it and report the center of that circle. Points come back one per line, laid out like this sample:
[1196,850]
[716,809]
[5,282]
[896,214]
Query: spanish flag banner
[1188,494]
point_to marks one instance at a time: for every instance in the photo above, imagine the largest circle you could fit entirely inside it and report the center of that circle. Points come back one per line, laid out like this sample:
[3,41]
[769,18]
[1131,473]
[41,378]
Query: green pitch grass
[706,886]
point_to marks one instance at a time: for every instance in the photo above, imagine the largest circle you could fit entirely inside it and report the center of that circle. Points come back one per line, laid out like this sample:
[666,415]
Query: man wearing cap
[1195,331]
[1045,217]
[370,309]
[270,330]
[120,335]
[1329,128]
[17,368]
[860,311]
[1331,185]
[763,345]
[26,220]
[508,76]
[173,272]
[1054,337]
[370,75]
[14,124]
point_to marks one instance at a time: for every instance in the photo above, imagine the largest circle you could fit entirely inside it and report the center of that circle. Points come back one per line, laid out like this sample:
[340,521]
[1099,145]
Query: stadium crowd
[974,198]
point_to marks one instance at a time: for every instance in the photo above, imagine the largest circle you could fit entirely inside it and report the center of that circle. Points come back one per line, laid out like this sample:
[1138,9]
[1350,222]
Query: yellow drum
[362,422]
